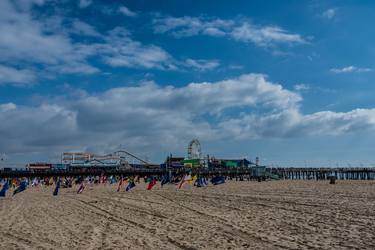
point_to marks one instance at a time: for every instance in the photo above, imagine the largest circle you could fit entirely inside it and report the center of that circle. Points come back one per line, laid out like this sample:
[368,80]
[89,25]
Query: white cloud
[7,107]
[16,77]
[27,4]
[26,41]
[143,116]
[120,50]
[202,65]
[330,13]
[350,69]
[301,87]
[57,124]
[74,68]
[236,66]
[84,3]
[125,11]
[49,43]
[83,28]
[242,31]
[23,38]
[291,123]
[265,36]
[190,26]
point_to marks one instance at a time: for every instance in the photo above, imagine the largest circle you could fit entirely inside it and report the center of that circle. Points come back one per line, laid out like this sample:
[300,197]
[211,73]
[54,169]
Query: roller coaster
[117,159]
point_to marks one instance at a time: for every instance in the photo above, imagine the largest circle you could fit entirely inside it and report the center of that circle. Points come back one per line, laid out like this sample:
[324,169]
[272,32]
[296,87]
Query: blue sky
[288,81]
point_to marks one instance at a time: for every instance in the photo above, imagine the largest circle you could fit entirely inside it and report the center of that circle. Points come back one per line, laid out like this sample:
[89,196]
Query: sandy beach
[236,215]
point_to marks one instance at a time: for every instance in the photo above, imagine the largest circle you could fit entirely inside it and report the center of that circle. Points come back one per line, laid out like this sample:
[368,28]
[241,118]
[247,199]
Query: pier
[243,173]
[323,173]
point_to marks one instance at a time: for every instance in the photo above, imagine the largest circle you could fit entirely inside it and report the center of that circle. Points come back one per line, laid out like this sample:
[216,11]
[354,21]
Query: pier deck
[282,173]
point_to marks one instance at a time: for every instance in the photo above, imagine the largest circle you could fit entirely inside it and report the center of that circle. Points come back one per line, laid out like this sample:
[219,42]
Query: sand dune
[236,215]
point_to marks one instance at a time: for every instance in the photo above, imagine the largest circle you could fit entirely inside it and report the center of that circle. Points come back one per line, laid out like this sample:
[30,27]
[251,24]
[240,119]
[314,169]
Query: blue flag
[20,188]
[200,182]
[164,180]
[4,189]
[113,180]
[57,187]
[204,181]
[130,185]
[218,180]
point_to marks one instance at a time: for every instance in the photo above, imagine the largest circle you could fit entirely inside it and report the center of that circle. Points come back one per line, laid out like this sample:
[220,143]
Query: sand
[236,215]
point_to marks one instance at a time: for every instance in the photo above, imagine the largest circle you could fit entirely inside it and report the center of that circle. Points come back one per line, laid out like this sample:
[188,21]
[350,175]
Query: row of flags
[20,188]
[152,181]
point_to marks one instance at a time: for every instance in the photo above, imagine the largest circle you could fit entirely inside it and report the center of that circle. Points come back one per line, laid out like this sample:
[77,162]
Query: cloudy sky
[291,82]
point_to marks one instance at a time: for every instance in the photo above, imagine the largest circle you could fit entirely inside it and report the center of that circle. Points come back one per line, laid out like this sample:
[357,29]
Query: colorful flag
[112,179]
[4,189]
[120,183]
[130,185]
[137,179]
[81,188]
[102,179]
[193,179]
[14,183]
[34,182]
[164,180]
[57,187]
[200,182]
[218,180]
[20,188]
[151,184]
[186,178]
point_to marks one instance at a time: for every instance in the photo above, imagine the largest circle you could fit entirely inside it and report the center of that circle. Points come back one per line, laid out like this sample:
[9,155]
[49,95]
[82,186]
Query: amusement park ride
[194,150]
[118,158]
[195,159]
[123,159]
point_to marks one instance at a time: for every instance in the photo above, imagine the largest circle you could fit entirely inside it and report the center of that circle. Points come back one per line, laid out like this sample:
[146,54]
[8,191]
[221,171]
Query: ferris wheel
[194,150]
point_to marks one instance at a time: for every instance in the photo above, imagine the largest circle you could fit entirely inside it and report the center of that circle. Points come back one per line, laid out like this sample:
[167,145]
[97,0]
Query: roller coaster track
[132,155]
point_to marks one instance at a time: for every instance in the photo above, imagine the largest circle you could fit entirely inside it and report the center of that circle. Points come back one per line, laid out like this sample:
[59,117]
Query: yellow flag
[193,179]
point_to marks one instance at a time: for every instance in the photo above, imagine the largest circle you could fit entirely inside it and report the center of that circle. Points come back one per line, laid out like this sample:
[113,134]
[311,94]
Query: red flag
[182,182]
[151,184]
[184,179]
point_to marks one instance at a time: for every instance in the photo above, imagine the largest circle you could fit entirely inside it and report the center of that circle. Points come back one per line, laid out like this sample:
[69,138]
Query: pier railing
[275,173]
[124,172]
[324,173]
